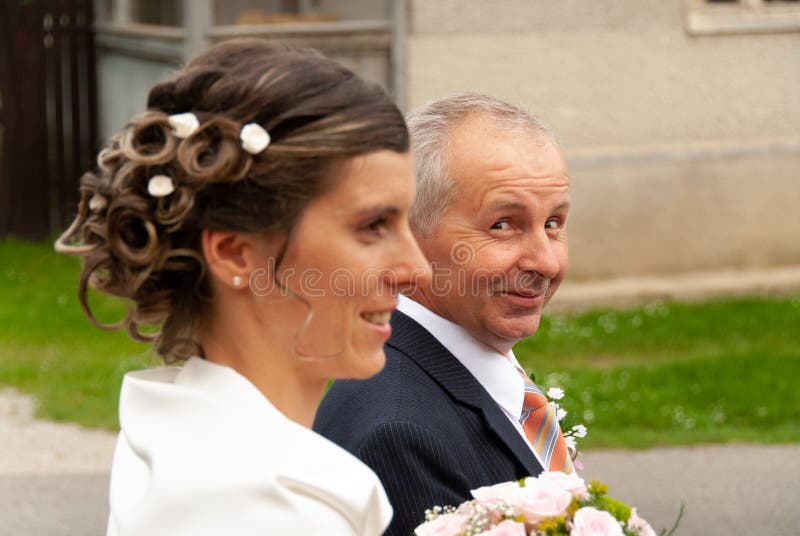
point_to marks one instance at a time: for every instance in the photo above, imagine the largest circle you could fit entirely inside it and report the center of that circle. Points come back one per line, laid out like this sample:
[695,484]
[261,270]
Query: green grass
[48,347]
[665,373]
[672,373]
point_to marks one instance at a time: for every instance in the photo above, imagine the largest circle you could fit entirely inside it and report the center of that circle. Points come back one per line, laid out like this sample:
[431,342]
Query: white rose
[183,124]
[589,521]
[568,482]
[639,525]
[254,138]
[160,186]
[97,202]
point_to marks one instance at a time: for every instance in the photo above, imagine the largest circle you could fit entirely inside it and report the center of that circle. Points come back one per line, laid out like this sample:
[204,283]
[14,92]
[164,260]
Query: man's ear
[231,257]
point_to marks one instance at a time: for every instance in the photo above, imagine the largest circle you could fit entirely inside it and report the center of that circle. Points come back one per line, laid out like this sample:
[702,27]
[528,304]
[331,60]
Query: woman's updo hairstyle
[146,248]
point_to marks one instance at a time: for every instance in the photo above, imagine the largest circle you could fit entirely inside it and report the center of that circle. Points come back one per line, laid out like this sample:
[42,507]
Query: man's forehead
[499,150]
[517,183]
[486,139]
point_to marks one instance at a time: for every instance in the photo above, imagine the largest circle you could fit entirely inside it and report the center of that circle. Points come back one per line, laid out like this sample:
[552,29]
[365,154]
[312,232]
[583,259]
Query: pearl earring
[236,281]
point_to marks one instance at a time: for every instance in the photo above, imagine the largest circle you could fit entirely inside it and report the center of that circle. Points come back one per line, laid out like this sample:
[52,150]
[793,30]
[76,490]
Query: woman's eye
[502,225]
[377,226]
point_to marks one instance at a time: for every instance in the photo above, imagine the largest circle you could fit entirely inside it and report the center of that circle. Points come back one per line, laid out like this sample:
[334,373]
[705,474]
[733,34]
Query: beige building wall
[684,150]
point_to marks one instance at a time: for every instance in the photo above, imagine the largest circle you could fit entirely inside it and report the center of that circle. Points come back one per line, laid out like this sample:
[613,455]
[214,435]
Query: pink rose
[568,482]
[444,525]
[498,493]
[639,525]
[589,521]
[540,499]
[506,528]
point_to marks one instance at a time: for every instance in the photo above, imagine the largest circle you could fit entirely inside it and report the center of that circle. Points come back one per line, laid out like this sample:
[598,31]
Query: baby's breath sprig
[436,511]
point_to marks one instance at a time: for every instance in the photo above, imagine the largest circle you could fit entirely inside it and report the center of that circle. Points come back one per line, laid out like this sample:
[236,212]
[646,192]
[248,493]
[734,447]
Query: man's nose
[538,255]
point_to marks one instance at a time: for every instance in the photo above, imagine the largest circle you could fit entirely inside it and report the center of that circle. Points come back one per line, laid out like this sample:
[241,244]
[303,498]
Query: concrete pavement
[54,481]
[727,489]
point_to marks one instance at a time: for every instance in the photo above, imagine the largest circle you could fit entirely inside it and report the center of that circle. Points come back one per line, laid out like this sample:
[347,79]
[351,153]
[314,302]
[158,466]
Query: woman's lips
[380,318]
[378,322]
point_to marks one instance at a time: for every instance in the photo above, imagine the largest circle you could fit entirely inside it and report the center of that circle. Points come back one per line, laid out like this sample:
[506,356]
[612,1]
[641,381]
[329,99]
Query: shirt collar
[496,372]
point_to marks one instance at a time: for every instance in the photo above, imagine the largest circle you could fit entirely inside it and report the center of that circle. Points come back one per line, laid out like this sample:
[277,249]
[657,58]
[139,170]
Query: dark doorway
[48,119]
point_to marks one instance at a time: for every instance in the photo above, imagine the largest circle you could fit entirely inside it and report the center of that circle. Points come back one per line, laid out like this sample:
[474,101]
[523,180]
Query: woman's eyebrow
[388,210]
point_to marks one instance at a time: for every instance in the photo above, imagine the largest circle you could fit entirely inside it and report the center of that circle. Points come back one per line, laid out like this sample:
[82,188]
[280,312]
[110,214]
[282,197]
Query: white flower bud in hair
[97,203]
[160,186]
[254,138]
[183,124]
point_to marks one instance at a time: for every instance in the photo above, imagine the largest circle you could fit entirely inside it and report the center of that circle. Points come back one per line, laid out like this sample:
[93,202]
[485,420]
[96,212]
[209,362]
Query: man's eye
[552,223]
[502,225]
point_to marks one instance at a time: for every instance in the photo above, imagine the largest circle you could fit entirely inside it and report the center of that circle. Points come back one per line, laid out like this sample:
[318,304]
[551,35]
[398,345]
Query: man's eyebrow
[507,205]
[517,205]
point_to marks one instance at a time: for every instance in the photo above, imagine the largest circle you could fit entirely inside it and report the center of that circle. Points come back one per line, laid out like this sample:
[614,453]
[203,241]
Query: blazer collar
[418,344]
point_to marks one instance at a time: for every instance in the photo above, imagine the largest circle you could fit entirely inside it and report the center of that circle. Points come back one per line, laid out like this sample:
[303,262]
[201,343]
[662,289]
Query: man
[449,412]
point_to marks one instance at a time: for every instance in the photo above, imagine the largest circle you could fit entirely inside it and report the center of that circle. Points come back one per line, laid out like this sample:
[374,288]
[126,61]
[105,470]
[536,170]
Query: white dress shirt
[201,451]
[496,372]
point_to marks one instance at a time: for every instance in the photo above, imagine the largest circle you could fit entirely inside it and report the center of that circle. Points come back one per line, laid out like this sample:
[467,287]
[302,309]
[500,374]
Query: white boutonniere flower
[579,431]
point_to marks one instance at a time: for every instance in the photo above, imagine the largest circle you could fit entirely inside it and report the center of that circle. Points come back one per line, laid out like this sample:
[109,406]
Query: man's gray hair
[430,126]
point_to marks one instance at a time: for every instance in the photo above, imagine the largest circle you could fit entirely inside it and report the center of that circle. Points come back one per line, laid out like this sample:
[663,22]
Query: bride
[255,217]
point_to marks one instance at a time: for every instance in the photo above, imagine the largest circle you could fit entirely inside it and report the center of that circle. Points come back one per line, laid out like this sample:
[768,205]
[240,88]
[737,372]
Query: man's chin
[507,334]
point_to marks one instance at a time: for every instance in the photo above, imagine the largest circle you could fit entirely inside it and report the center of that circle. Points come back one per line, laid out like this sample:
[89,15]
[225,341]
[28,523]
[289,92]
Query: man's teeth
[377,318]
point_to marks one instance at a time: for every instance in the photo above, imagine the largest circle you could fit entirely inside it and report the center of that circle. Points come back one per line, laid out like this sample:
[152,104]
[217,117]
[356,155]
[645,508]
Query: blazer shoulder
[402,392]
[378,397]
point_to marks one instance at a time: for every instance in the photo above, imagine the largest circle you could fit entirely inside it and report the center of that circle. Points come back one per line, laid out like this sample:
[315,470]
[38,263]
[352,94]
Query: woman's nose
[411,268]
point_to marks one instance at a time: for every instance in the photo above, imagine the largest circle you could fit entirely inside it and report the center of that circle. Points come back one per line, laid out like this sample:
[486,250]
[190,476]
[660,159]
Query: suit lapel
[498,421]
[418,344]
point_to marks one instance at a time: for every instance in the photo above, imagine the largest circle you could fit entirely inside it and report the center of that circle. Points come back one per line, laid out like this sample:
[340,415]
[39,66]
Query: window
[364,35]
[166,12]
[708,17]
[153,12]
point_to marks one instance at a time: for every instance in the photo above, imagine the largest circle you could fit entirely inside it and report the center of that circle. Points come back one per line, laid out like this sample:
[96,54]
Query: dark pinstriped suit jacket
[426,427]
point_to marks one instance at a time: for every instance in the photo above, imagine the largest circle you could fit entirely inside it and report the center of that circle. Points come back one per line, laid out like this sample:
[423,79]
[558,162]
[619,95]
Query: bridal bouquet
[553,504]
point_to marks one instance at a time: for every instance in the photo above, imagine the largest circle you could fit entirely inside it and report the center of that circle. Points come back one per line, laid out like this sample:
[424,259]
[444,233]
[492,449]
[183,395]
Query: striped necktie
[542,430]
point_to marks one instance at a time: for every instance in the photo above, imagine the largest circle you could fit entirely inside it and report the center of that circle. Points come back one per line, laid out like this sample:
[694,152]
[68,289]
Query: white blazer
[201,451]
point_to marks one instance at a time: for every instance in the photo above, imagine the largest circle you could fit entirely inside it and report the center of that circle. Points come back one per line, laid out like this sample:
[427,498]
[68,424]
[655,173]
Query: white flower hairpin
[183,124]
[254,138]
[97,203]
[160,186]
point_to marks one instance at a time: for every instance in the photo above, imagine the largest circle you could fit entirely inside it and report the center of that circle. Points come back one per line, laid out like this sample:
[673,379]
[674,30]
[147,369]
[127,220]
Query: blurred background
[678,329]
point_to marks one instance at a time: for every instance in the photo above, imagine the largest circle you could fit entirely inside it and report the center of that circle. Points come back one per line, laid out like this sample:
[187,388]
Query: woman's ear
[232,257]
